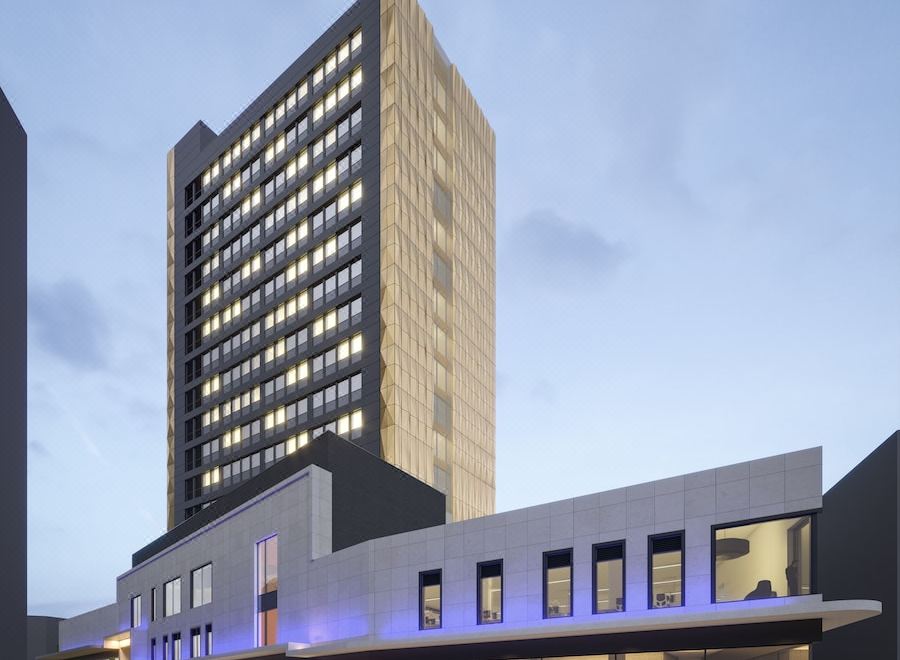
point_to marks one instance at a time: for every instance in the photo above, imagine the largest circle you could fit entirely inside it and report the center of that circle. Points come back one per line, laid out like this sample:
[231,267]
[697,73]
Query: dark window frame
[594,551]
[193,571]
[478,570]
[140,615]
[813,549]
[662,537]
[422,576]
[547,556]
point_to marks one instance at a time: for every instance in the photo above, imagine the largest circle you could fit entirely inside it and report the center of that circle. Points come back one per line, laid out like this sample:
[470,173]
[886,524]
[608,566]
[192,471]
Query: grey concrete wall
[369,592]
[90,628]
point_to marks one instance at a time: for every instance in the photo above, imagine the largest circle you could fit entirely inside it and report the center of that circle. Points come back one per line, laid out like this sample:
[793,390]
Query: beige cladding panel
[408,240]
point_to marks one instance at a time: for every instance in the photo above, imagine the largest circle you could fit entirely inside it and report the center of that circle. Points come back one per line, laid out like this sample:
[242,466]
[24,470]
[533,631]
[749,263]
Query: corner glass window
[764,560]
[490,592]
[557,584]
[430,600]
[666,570]
[609,577]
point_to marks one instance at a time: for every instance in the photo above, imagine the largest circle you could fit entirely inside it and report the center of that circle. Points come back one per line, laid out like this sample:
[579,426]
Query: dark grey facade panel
[370,498]
[192,155]
[13,474]
[858,534]
[43,636]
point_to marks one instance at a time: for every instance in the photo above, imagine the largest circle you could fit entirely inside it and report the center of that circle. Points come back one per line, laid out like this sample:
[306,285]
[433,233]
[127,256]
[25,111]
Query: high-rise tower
[331,267]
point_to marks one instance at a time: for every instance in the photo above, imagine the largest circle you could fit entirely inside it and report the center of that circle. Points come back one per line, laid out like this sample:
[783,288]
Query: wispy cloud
[544,249]
[68,323]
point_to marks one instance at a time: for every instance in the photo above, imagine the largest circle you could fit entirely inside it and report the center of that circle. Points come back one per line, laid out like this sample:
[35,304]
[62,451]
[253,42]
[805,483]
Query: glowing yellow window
[291,204]
[318,183]
[206,479]
[318,75]
[270,120]
[236,308]
[245,141]
[206,328]
[318,255]
[255,198]
[330,320]
[279,144]
[356,78]
[356,41]
[356,192]
[269,420]
[291,169]
[330,100]
[330,173]
[270,320]
[302,195]
[302,371]
[279,416]
[302,160]
[245,270]
[302,300]
[331,64]
[270,153]
[343,89]
[343,350]
[270,353]
[279,314]
[226,159]
[291,445]
[206,177]
[302,230]
[256,263]
[290,376]
[257,131]
[356,343]
[215,170]
[343,201]
[279,111]
[356,420]
[343,425]
[302,89]
[215,476]
[302,439]
[236,182]
[226,191]
[318,326]
[290,272]
[318,111]
[255,394]
[330,246]
[344,52]
[302,265]
[279,348]
[291,307]
[245,206]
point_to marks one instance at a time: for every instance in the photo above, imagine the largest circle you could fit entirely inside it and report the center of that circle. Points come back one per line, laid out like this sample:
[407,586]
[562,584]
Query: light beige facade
[437,268]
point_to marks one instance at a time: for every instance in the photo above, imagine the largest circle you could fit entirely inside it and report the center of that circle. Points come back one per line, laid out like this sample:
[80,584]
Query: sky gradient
[698,222]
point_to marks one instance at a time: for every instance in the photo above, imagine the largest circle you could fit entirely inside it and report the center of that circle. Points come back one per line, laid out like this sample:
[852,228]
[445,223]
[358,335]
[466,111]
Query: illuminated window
[766,559]
[666,566]
[490,592]
[609,577]
[557,584]
[267,591]
[430,600]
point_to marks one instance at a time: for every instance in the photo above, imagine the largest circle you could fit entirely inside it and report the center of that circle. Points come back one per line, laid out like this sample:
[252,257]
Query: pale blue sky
[698,209]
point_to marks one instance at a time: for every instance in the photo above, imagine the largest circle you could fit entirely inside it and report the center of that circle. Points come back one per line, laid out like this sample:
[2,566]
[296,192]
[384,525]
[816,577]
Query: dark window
[192,488]
[430,600]
[557,584]
[192,251]
[193,458]
[490,592]
[136,611]
[153,598]
[176,646]
[764,559]
[153,649]
[609,577]
[192,369]
[192,310]
[666,570]
[201,586]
